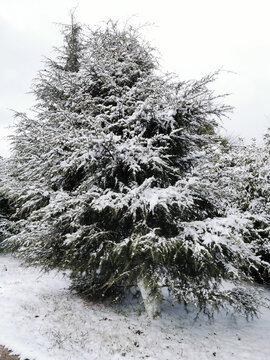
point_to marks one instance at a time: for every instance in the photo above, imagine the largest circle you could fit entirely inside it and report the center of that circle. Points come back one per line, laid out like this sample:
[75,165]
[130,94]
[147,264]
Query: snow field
[41,320]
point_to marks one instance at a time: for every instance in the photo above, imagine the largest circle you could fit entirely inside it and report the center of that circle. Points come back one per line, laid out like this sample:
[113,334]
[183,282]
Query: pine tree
[105,179]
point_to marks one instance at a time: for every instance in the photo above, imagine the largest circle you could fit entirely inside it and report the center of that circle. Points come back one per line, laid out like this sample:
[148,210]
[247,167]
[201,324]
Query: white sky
[194,37]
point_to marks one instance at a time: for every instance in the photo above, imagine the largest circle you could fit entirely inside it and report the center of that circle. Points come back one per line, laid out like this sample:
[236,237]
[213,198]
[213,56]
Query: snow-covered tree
[7,227]
[105,179]
[241,172]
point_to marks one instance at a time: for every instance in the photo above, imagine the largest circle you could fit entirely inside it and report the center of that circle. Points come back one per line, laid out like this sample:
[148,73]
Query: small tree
[104,181]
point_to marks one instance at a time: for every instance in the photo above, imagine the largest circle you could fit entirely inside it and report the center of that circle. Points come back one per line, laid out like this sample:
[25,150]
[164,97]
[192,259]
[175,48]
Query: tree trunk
[151,303]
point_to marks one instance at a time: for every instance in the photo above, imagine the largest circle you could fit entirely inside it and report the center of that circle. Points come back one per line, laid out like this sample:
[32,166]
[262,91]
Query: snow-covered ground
[41,320]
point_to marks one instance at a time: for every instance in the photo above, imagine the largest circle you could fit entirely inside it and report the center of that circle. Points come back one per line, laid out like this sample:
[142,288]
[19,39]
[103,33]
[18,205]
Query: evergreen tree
[105,179]
[7,228]
[241,172]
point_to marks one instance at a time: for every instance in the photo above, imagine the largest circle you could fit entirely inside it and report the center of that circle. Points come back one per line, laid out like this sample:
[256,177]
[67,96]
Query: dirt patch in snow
[5,354]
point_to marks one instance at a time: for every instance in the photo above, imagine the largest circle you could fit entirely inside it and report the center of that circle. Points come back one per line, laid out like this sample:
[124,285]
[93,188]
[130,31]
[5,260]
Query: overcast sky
[194,37]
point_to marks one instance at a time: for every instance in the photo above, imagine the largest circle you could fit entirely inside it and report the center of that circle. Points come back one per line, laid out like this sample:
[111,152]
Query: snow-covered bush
[104,177]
